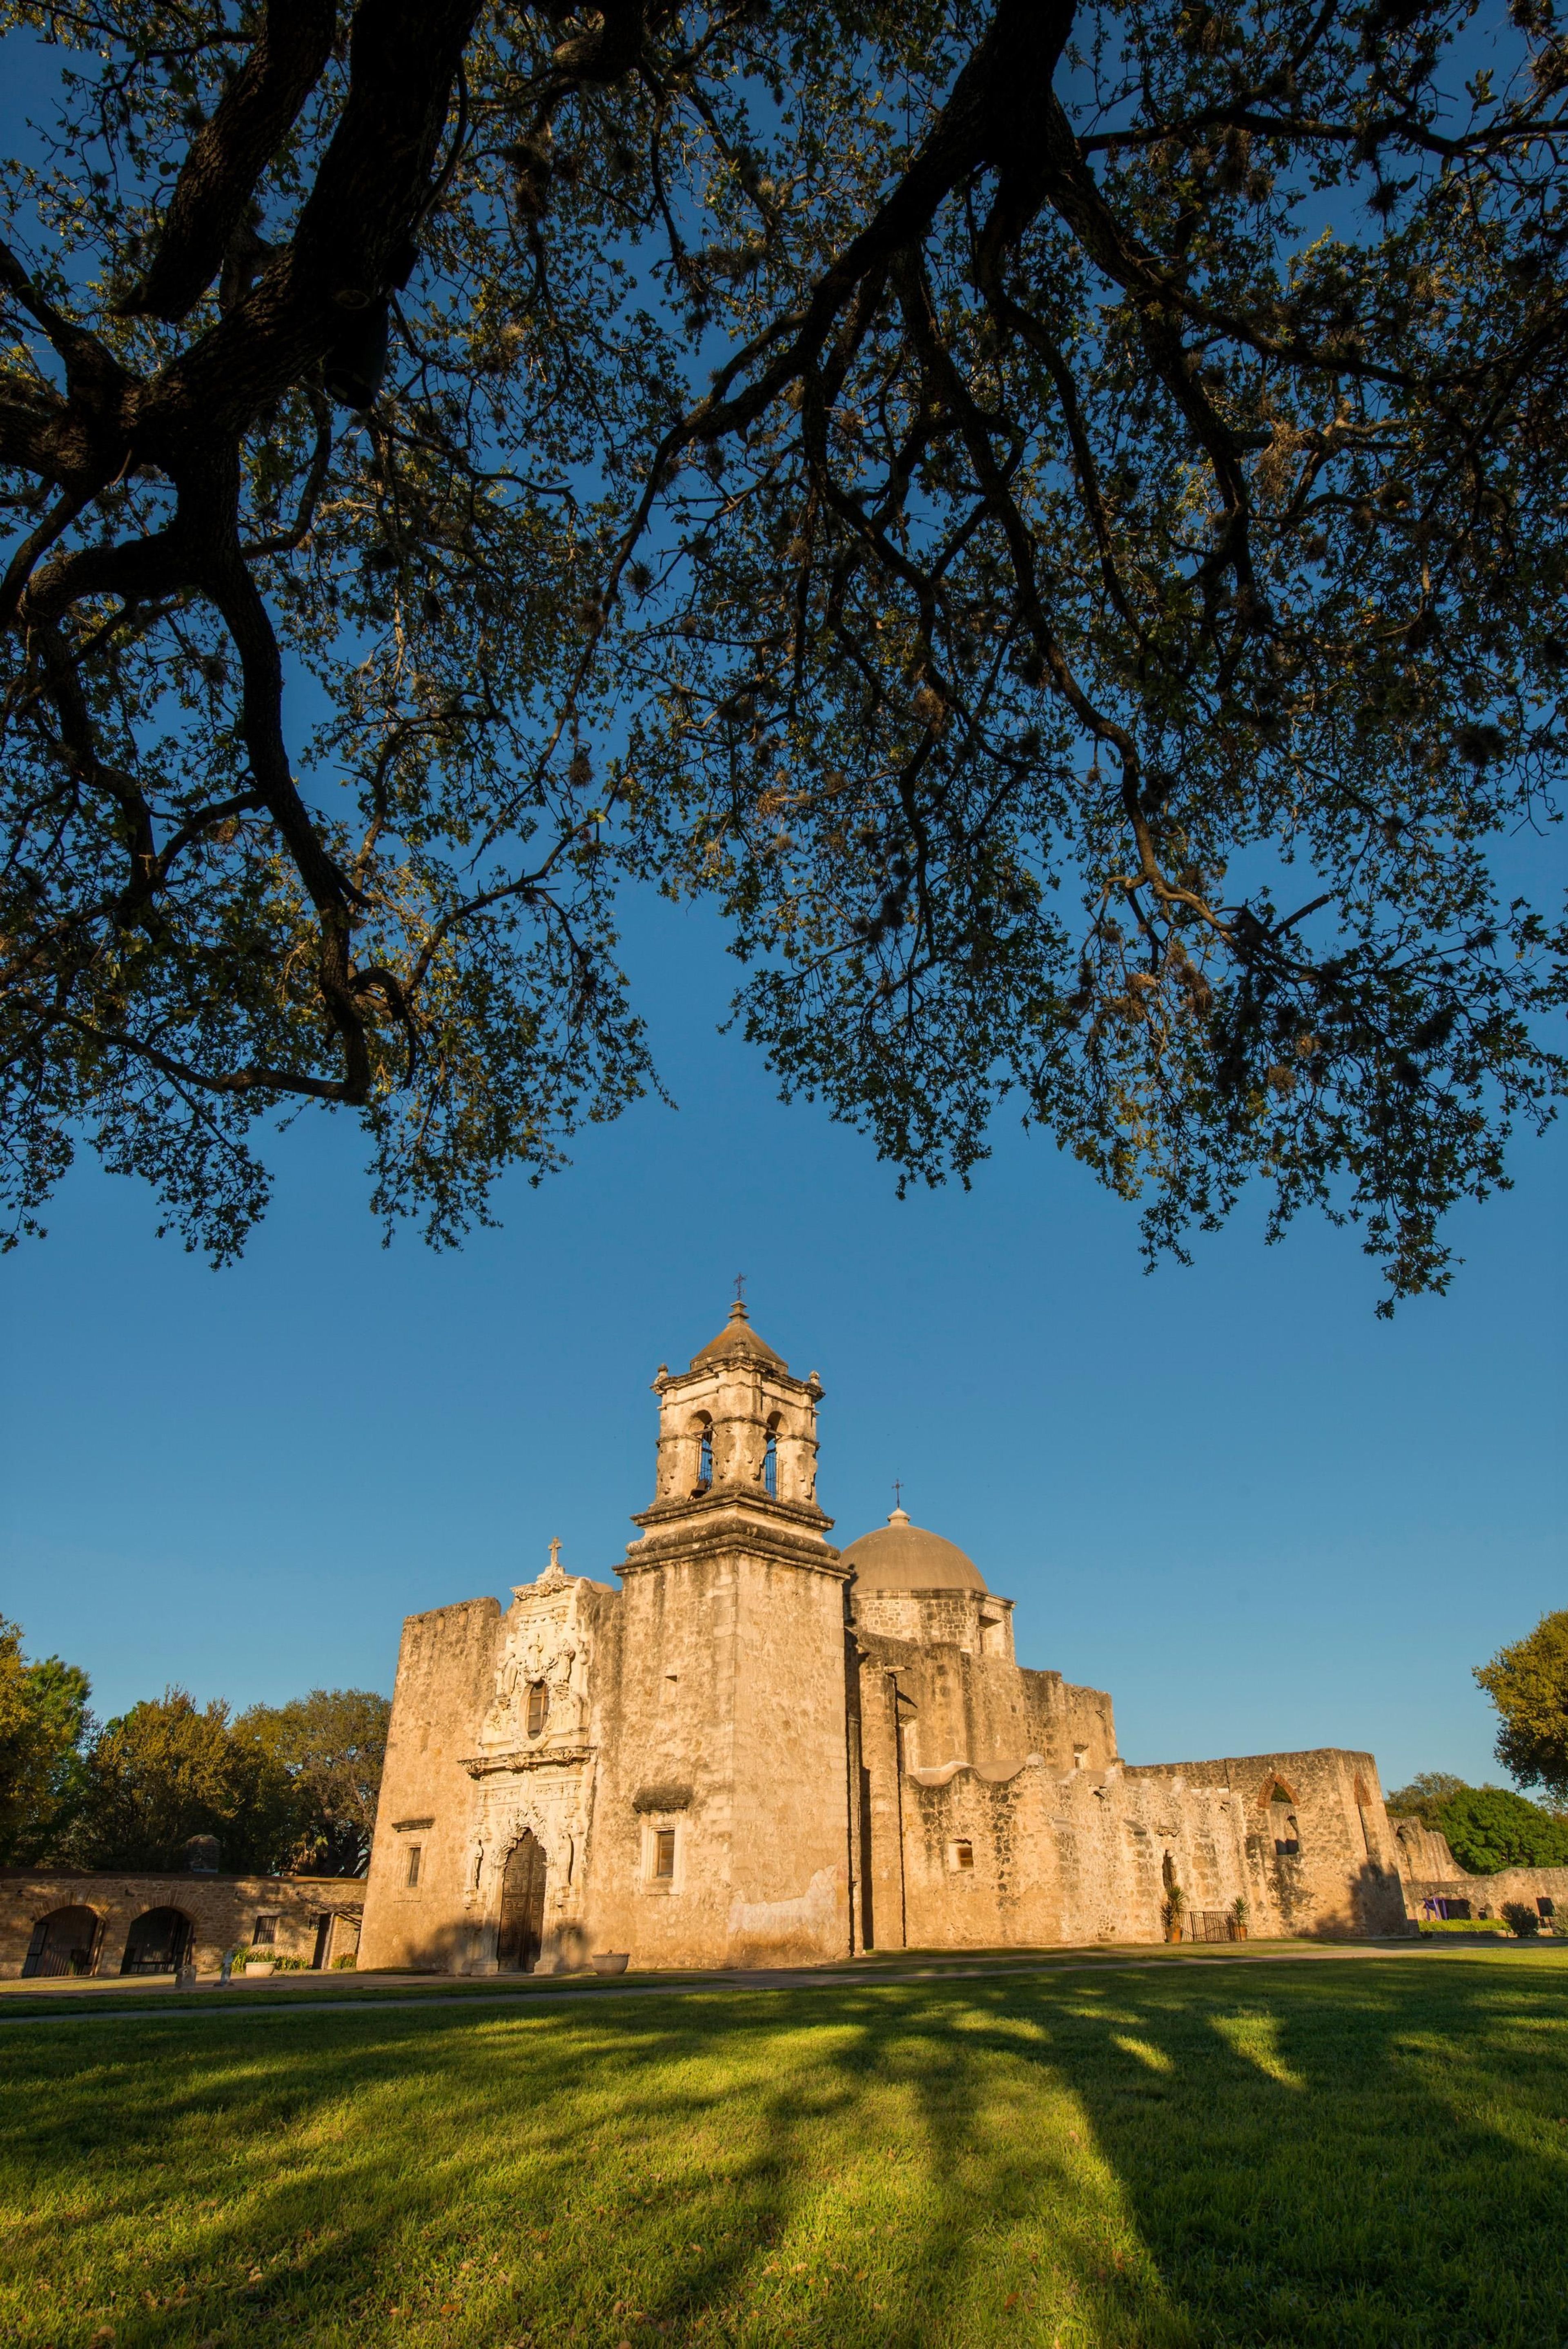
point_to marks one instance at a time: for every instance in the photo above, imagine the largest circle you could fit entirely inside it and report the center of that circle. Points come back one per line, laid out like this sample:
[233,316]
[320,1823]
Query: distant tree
[167,1770]
[332,1743]
[1488,1828]
[1425,1796]
[44,1721]
[1528,1683]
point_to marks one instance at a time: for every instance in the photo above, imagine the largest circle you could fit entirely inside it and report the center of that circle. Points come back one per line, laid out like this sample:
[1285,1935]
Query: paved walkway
[280,1997]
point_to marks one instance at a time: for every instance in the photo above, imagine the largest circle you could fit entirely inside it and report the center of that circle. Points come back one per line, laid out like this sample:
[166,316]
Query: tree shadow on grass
[1393,2165]
[1366,2154]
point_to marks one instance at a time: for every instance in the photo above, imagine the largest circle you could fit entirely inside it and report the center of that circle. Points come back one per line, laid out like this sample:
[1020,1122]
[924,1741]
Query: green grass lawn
[1362,2152]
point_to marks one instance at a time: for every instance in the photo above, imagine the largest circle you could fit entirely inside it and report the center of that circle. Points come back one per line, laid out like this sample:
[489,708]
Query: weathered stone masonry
[761,1750]
[58,1921]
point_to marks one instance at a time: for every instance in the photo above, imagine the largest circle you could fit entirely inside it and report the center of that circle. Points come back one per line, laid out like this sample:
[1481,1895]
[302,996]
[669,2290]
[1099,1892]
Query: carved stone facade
[760,1750]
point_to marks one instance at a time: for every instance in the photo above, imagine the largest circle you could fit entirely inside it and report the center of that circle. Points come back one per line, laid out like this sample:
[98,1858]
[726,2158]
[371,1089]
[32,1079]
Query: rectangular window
[538,1707]
[1546,1907]
[412,1876]
[963,1855]
[1287,1847]
[663,1854]
[266,1932]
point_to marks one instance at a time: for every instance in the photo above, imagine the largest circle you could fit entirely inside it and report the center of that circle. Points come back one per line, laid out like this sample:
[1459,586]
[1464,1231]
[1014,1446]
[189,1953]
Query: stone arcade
[764,1751]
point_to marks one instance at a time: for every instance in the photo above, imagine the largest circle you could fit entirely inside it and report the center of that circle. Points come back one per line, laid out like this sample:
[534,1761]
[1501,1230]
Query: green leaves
[1488,1828]
[332,1743]
[1528,1683]
[1066,544]
[168,1771]
[43,1720]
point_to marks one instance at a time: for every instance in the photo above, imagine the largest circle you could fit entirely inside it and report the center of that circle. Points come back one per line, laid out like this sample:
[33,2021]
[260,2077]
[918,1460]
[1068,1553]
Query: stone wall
[415,1912]
[223,1909]
[995,1811]
[728,1729]
[1029,1855]
[1432,1873]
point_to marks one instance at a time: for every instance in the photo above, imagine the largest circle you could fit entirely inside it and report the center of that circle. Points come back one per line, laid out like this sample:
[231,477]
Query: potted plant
[1174,1901]
[1238,1916]
[252,1961]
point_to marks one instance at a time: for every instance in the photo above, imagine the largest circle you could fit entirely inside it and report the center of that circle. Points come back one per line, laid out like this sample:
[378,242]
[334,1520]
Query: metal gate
[63,1943]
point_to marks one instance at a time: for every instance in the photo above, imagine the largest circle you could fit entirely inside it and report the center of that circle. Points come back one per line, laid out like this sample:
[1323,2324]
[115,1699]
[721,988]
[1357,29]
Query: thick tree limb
[228,157]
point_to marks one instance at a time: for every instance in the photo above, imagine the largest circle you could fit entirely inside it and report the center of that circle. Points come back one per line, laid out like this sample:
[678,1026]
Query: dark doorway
[323,1941]
[156,1943]
[522,1906]
[63,1943]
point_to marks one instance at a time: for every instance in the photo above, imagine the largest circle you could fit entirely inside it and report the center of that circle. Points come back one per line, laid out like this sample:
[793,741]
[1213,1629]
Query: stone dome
[902,1556]
[738,1342]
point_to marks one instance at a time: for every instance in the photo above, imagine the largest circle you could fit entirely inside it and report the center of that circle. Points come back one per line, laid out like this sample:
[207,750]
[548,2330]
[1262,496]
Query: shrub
[350,1958]
[1522,1920]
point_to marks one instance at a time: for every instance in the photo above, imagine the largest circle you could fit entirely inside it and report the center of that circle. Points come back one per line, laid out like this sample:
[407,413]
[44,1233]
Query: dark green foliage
[1424,1797]
[332,1743]
[1528,1683]
[43,1722]
[282,1785]
[1054,518]
[169,1770]
[1488,1828]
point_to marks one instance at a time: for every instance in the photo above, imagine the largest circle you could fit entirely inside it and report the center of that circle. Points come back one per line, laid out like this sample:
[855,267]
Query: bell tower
[737,1444]
[723,1820]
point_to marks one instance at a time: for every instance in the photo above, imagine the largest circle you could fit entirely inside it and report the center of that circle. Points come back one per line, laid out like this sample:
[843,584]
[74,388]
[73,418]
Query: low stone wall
[1430,1872]
[1486,1895]
[222,1913]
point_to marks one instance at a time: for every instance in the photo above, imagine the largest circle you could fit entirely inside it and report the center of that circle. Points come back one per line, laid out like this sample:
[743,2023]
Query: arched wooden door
[522,1906]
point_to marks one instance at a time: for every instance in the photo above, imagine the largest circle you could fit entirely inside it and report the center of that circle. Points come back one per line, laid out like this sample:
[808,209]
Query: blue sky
[1258,1514]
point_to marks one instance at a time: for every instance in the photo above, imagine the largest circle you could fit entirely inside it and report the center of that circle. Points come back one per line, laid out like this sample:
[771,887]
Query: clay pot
[610,1962]
[258,1966]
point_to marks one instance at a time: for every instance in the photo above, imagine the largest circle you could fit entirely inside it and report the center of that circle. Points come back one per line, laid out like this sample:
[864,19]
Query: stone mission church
[762,1751]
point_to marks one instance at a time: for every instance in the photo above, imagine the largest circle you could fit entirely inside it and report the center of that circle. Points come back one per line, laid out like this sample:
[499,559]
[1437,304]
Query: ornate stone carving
[546,1644]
